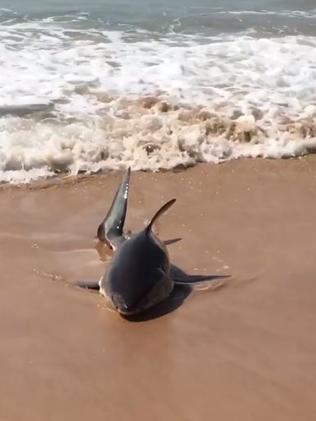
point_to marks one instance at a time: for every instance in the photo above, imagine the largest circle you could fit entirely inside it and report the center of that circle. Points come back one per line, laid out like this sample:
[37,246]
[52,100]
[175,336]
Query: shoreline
[67,179]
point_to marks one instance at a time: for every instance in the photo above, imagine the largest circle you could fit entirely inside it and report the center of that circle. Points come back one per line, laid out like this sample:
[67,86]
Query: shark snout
[122,306]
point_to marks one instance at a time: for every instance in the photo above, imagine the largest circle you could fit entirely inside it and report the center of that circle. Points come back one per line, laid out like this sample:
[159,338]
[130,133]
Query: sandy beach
[245,351]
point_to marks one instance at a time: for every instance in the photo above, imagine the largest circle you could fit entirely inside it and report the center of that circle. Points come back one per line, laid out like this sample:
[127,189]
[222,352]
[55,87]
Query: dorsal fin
[110,231]
[162,210]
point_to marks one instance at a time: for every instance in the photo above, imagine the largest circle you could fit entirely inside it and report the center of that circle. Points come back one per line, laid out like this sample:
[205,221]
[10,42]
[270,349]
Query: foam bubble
[145,138]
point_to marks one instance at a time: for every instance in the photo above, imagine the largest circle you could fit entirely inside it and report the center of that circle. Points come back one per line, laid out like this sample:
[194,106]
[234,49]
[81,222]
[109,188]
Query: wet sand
[246,351]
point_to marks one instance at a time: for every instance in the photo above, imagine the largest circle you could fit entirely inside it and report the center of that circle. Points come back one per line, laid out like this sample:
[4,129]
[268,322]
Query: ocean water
[88,86]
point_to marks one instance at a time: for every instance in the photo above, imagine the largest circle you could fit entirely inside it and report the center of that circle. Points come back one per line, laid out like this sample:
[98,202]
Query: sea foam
[74,100]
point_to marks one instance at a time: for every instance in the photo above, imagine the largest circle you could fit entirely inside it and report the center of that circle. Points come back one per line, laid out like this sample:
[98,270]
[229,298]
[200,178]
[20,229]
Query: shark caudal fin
[110,231]
[162,210]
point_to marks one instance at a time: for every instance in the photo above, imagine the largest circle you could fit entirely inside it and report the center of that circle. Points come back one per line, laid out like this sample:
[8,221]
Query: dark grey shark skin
[110,231]
[139,275]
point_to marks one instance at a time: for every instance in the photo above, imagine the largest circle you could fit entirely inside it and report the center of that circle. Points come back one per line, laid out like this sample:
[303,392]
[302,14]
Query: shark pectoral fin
[110,231]
[179,277]
[92,285]
[177,274]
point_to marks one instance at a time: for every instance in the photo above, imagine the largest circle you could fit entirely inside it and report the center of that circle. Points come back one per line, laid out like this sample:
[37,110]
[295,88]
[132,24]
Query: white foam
[261,90]
[283,13]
